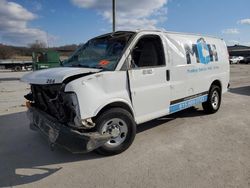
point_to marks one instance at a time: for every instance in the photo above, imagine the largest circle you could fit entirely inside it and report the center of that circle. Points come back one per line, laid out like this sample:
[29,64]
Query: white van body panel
[98,90]
[147,83]
[145,90]
[54,75]
[195,77]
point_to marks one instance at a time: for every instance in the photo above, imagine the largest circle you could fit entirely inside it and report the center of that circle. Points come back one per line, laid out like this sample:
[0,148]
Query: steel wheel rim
[215,100]
[118,129]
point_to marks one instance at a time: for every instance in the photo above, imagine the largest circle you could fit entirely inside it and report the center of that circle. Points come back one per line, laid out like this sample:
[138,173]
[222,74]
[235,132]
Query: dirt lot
[12,92]
[188,149]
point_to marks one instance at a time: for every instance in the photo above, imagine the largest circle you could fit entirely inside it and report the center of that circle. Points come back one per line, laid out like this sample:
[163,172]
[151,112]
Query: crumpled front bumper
[60,134]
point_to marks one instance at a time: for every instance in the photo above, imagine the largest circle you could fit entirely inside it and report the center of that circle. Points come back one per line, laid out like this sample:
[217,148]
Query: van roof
[164,31]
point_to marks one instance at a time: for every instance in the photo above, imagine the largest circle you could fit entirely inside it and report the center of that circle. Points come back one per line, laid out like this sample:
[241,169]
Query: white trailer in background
[15,65]
[118,80]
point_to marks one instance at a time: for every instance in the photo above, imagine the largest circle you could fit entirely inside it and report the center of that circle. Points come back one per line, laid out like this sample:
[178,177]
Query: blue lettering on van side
[204,53]
[186,104]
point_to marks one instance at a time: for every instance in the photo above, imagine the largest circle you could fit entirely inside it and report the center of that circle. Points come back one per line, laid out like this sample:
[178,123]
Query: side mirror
[129,61]
[127,64]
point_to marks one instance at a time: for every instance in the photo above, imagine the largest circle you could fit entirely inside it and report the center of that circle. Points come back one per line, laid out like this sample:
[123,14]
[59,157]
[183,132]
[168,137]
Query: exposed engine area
[60,105]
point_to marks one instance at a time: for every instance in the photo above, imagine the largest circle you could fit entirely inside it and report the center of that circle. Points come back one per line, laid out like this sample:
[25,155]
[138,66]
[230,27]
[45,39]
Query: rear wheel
[120,124]
[17,68]
[212,105]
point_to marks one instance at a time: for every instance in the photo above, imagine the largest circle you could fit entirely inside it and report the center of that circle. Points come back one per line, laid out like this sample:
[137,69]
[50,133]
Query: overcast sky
[75,21]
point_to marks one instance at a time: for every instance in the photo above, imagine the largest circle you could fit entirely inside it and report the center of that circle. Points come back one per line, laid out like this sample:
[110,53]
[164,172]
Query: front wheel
[212,105]
[120,124]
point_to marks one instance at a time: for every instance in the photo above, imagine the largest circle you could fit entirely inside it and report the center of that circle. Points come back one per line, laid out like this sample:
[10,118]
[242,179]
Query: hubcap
[215,100]
[118,129]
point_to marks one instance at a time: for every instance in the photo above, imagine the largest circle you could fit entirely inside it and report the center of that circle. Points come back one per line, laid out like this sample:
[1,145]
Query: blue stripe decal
[188,103]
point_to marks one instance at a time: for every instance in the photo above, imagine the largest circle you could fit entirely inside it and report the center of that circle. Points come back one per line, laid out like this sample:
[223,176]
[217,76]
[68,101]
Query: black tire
[17,68]
[124,119]
[211,105]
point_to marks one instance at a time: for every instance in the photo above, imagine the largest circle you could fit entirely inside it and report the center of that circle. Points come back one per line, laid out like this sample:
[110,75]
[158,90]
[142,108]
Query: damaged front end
[53,100]
[56,114]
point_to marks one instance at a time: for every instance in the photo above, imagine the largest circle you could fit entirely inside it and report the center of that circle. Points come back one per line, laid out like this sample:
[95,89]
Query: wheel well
[116,105]
[217,83]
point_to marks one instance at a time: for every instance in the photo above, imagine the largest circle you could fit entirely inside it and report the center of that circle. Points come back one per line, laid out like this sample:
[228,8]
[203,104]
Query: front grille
[52,100]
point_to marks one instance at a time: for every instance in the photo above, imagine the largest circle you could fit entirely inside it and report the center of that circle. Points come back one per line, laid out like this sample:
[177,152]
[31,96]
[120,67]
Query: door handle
[167,75]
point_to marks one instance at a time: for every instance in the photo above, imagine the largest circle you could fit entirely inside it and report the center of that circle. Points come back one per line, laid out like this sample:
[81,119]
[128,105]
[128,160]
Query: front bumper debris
[60,134]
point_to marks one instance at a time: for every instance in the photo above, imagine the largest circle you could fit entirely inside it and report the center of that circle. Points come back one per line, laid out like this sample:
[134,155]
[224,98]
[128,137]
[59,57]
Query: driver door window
[148,52]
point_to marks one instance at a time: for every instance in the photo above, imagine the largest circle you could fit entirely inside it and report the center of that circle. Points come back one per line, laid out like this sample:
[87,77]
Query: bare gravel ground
[187,149]
[12,92]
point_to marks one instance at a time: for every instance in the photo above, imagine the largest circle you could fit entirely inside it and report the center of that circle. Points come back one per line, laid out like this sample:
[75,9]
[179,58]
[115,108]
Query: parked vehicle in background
[246,60]
[15,65]
[235,59]
[45,60]
[119,80]
[240,50]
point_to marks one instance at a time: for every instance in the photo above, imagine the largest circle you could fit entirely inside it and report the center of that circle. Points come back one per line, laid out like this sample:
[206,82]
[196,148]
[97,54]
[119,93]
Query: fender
[108,102]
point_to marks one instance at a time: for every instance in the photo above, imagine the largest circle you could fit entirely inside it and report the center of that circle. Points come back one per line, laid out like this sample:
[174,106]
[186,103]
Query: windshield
[102,52]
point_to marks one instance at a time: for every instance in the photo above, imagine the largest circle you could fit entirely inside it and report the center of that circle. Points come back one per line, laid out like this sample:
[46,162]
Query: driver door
[149,79]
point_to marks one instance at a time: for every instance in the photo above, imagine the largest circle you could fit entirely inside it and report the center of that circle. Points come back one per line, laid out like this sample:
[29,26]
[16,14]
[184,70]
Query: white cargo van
[119,80]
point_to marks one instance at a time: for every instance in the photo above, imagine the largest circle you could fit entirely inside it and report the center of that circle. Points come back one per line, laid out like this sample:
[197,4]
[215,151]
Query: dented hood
[55,75]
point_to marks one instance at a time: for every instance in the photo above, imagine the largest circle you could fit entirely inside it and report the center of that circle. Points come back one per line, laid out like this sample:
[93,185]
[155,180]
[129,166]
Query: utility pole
[113,11]
[47,36]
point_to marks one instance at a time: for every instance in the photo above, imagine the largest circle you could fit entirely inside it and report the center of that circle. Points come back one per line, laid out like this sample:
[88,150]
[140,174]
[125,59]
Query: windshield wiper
[80,65]
[94,67]
[102,68]
[91,67]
